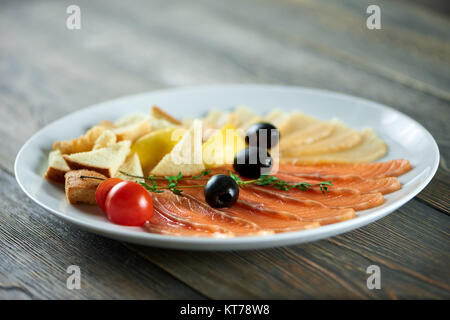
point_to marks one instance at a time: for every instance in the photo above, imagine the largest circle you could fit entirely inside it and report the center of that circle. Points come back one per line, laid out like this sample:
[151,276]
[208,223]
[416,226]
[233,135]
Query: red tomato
[103,189]
[129,204]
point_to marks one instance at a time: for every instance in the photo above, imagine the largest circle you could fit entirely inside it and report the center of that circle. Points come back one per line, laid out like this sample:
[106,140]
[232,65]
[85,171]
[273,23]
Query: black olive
[262,135]
[252,162]
[221,191]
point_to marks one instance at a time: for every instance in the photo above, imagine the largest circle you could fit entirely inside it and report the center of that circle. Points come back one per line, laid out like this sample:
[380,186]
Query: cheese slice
[369,149]
[341,138]
[294,122]
[185,157]
[308,135]
[131,166]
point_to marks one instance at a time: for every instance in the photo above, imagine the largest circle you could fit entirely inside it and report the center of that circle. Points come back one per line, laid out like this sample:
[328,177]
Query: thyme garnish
[272,181]
[263,180]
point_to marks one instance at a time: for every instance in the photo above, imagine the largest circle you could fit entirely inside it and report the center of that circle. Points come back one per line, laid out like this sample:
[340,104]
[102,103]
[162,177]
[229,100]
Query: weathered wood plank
[36,249]
[158,52]
[410,246]
[436,194]
[223,55]
[412,47]
[125,49]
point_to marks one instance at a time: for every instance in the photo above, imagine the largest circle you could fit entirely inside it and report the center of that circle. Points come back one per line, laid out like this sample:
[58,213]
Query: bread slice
[216,119]
[186,156]
[131,166]
[81,144]
[131,127]
[106,139]
[105,161]
[82,190]
[57,167]
[157,113]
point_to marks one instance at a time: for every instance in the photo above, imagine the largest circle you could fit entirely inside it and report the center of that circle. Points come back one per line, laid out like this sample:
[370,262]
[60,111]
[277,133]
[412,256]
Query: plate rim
[242,242]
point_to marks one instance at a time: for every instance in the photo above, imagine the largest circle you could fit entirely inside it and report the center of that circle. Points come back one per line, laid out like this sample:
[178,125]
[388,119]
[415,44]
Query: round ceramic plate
[405,138]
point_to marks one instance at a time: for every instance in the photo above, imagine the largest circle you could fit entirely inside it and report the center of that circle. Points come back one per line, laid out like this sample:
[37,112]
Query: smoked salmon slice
[305,210]
[266,220]
[162,224]
[267,210]
[185,209]
[393,168]
[347,198]
[378,185]
[275,213]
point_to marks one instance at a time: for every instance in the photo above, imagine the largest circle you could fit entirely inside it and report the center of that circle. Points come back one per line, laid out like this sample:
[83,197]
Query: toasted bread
[132,166]
[160,120]
[186,156]
[157,113]
[106,139]
[131,127]
[216,119]
[81,144]
[82,190]
[107,124]
[57,167]
[105,161]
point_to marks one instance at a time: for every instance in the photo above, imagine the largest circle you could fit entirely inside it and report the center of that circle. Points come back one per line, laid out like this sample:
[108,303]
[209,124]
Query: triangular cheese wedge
[131,166]
[221,148]
[105,161]
[185,157]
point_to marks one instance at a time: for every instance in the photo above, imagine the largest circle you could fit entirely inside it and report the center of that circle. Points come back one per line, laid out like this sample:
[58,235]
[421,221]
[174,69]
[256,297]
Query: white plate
[405,137]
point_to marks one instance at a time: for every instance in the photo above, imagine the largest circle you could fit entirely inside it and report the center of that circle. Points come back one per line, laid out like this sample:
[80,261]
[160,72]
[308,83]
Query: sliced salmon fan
[263,210]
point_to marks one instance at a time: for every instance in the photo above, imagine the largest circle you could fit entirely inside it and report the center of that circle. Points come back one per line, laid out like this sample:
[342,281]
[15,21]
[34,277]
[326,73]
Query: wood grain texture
[126,48]
[37,248]
[410,51]
[410,246]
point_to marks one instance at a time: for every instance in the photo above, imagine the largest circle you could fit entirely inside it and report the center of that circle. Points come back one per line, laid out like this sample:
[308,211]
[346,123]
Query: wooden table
[48,71]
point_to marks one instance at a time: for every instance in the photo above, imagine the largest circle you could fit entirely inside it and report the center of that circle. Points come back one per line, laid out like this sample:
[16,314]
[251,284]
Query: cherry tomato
[129,204]
[103,190]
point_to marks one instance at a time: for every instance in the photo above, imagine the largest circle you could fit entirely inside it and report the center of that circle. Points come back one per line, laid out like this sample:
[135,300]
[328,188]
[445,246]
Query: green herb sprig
[263,180]
[272,181]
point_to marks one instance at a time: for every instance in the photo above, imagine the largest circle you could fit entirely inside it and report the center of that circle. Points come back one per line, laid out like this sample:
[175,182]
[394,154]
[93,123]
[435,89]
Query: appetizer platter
[227,167]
